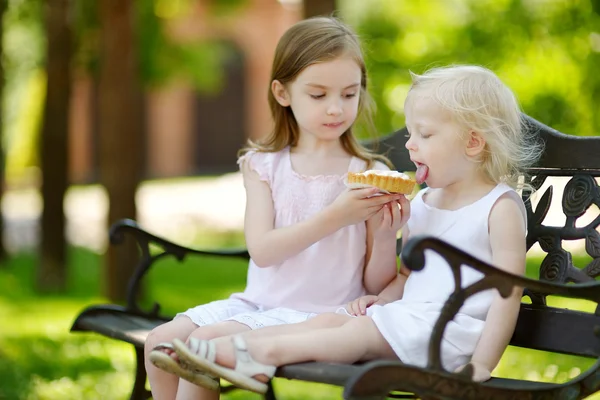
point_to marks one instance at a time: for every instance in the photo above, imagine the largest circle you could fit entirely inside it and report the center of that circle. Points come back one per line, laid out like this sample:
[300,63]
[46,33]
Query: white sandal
[165,362]
[245,366]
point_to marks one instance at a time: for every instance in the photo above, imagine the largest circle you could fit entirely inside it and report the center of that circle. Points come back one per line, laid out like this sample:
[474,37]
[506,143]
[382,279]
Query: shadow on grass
[29,364]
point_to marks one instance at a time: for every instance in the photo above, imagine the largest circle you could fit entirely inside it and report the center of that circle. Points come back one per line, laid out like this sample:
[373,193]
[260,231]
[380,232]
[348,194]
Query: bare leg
[163,384]
[357,339]
[187,390]
[326,320]
[166,386]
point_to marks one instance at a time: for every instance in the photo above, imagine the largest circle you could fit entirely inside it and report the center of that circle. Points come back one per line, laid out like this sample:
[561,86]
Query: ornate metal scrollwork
[592,243]
[578,195]
[555,266]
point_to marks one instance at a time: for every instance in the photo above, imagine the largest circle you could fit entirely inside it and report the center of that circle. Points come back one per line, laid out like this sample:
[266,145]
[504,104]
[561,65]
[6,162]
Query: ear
[280,93]
[475,144]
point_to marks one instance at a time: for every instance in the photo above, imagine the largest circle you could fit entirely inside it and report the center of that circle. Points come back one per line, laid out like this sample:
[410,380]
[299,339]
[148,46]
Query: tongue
[422,172]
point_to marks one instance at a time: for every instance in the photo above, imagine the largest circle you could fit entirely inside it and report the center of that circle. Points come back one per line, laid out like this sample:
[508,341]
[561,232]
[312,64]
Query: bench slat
[338,374]
[116,323]
[333,374]
[557,330]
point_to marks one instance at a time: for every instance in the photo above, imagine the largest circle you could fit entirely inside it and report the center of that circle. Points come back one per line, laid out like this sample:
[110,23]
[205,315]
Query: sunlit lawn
[40,359]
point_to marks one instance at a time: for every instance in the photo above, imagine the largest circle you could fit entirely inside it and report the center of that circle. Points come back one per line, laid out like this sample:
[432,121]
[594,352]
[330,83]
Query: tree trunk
[313,8]
[54,142]
[3,7]
[120,125]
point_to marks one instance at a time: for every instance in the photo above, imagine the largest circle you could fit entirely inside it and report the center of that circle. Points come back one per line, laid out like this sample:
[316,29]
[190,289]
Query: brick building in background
[190,133]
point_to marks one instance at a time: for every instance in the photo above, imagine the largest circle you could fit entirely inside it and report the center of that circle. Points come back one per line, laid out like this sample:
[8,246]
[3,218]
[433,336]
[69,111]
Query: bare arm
[392,292]
[395,290]
[381,265]
[269,246]
[507,239]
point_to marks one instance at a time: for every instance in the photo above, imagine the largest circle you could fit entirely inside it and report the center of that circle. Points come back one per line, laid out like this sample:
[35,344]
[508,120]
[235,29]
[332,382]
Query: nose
[410,144]
[334,107]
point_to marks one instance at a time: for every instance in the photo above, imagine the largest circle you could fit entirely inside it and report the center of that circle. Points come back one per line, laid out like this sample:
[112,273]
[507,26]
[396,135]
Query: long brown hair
[308,42]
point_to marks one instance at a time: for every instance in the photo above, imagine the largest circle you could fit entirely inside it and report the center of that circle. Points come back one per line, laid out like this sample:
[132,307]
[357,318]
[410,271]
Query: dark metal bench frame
[539,326]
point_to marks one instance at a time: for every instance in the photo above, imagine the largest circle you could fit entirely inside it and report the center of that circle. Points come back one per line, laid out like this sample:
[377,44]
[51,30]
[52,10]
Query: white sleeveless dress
[407,324]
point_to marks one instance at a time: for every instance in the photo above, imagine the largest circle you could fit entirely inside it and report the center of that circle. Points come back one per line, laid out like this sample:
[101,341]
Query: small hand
[480,372]
[360,305]
[357,205]
[391,217]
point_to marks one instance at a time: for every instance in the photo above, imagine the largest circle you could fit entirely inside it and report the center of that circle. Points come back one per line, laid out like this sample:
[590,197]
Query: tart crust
[398,183]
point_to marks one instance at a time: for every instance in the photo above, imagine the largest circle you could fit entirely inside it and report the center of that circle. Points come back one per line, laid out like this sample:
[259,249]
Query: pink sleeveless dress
[327,274]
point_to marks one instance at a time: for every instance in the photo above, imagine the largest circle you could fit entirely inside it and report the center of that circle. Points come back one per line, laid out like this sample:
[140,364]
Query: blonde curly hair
[479,101]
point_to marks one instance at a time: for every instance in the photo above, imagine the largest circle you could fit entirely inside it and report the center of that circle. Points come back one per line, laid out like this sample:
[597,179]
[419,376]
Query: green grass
[40,359]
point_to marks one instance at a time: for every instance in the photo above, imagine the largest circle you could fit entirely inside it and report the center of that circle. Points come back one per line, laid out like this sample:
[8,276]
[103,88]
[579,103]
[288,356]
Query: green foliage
[160,57]
[548,52]
[23,60]
[225,7]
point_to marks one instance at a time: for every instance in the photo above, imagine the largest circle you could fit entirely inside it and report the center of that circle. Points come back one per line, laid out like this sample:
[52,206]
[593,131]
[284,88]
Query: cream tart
[390,181]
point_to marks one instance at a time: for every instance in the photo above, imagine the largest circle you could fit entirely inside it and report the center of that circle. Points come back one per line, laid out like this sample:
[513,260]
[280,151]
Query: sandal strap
[203,349]
[245,364]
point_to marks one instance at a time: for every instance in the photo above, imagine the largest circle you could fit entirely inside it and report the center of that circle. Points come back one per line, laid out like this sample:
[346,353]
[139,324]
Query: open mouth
[334,125]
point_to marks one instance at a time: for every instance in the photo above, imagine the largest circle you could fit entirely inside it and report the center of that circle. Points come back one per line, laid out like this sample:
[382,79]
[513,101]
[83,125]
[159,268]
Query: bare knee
[375,344]
[180,328]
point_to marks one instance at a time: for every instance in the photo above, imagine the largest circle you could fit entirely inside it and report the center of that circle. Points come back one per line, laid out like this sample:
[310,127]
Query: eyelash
[320,96]
[422,136]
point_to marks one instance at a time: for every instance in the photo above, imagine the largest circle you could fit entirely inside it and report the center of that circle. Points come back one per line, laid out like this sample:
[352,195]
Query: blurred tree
[127,47]
[121,126]
[313,8]
[24,59]
[54,144]
[3,8]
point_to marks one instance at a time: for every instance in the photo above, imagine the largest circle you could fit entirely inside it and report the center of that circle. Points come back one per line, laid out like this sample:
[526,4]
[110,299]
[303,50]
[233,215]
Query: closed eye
[317,96]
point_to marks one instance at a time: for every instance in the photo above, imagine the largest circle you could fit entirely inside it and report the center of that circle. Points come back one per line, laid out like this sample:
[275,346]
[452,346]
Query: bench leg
[270,395]
[139,391]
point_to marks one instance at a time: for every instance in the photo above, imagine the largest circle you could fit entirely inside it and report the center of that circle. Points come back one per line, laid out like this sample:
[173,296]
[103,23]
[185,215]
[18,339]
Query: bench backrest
[541,327]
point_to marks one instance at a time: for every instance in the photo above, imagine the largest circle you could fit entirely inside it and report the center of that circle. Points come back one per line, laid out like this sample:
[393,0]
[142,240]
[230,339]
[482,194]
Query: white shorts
[249,314]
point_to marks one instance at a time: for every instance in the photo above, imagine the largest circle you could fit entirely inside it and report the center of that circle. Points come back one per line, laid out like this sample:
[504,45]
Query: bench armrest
[144,239]
[121,227]
[413,258]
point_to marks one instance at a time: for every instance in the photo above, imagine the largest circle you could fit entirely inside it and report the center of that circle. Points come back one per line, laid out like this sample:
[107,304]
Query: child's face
[324,98]
[435,142]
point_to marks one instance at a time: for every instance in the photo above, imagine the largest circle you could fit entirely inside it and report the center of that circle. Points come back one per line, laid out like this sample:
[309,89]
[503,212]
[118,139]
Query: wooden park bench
[539,326]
